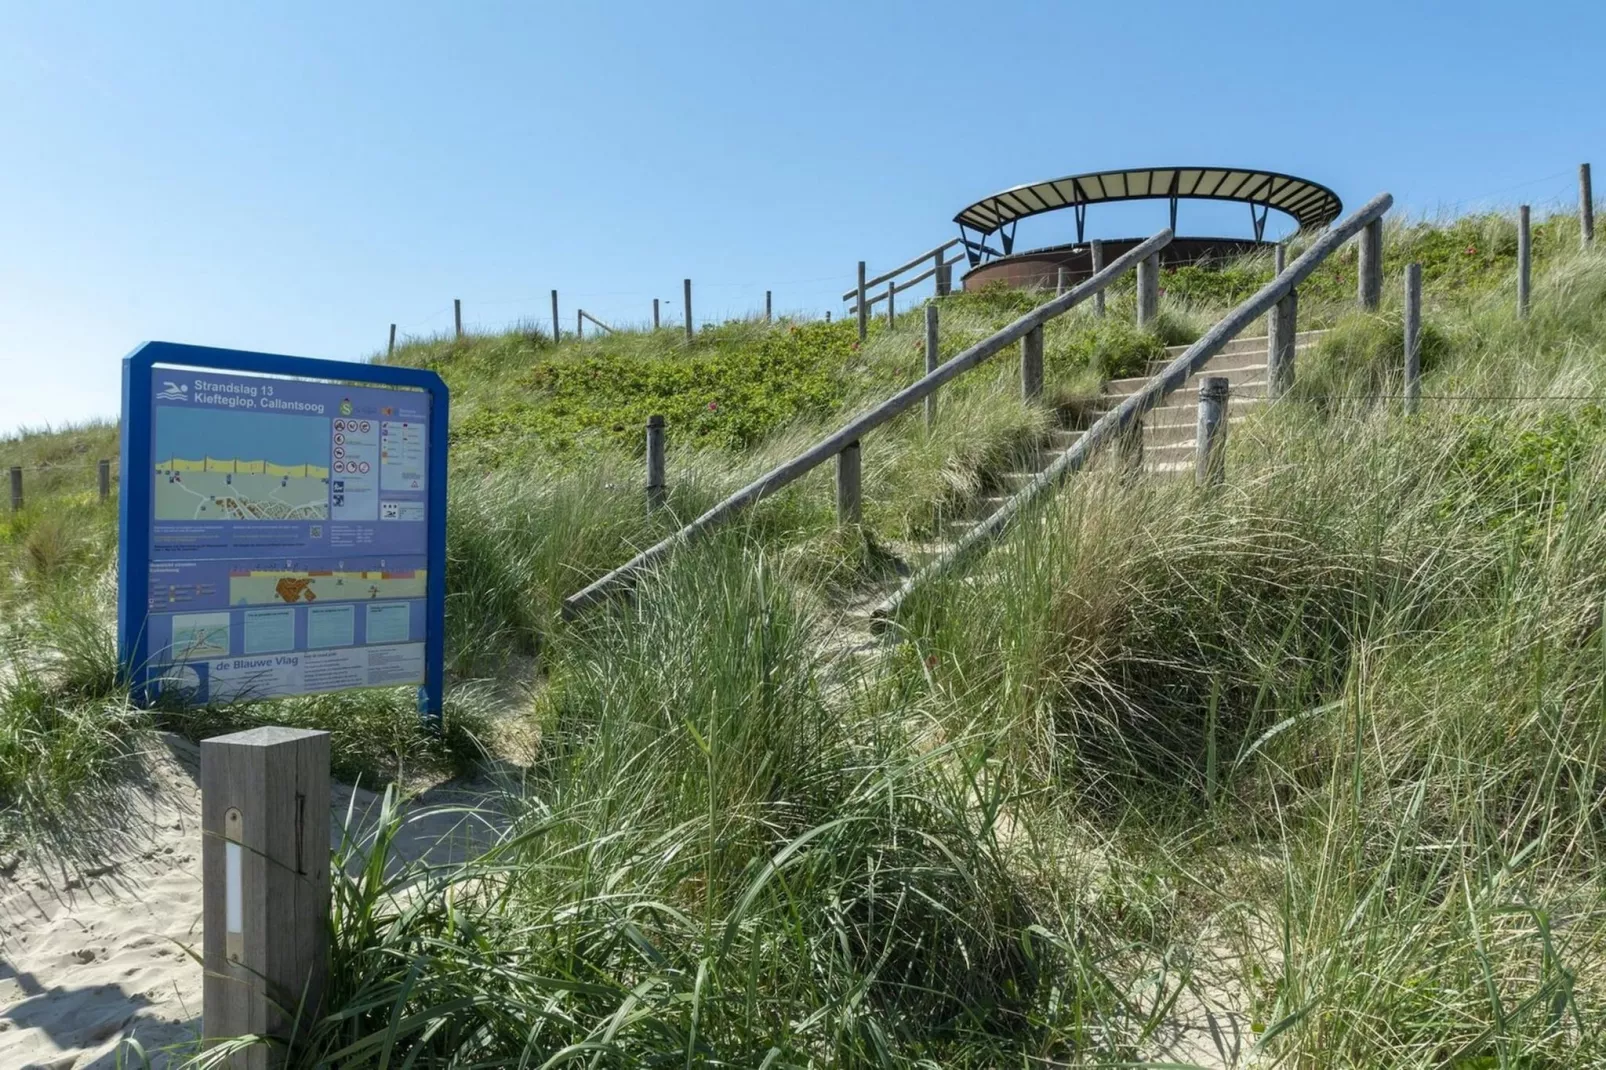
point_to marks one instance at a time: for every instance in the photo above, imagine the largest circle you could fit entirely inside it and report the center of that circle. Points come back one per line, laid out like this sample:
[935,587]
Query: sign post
[283,526]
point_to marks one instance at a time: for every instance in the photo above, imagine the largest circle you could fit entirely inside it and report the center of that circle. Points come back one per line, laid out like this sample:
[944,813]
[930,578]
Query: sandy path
[91,953]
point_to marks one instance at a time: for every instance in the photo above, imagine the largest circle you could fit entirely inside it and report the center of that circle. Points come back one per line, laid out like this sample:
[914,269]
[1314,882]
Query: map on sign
[288,545]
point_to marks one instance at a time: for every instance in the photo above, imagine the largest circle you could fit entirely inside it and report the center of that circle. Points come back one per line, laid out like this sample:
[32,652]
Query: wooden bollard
[103,477]
[931,361]
[892,290]
[685,287]
[1413,336]
[864,309]
[1370,263]
[1148,289]
[847,484]
[390,350]
[1096,251]
[457,315]
[1586,207]
[1031,364]
[556,327]
[16,488]
[655,463]
[1282,328]
[264,885]
[1524,260]
[1210,440]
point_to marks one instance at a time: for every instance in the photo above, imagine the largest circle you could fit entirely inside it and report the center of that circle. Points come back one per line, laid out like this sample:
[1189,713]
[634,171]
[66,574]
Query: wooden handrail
[859,426]
[1167,380]
[901,268]
[897,287]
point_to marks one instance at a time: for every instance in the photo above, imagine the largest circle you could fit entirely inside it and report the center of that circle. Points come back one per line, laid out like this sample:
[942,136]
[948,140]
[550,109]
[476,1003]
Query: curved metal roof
[1311,204]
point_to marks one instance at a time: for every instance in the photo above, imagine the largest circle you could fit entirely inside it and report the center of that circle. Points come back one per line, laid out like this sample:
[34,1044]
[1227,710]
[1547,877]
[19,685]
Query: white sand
[91,953]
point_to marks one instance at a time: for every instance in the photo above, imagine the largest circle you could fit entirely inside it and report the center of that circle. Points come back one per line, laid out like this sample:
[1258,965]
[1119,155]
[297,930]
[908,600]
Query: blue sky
[293,177]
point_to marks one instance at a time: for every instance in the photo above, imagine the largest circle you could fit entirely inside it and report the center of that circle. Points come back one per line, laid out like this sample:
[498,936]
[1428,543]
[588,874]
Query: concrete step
[1246,343]
[1226,361]
[1241,375]
[1157,435]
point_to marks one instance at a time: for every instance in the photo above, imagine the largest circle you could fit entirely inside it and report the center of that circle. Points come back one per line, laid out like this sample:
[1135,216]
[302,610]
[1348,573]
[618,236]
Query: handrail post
[1586,207]
[1413,336]
[931,361]
[1096,251]
[655,463]
[1059,281]
[847,484]
[685,287]
[1279,259]
[938,269]
[1370,265]
[1210,439]
[945,278]
[1148,289]
[1282,328]
[892,289]
[1031,365]
[864,309]
[1524,260]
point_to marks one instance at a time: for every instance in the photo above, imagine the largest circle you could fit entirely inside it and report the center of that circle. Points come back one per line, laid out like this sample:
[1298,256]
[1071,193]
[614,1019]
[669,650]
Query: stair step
[1244,343]
[1244,373]
[1155,436]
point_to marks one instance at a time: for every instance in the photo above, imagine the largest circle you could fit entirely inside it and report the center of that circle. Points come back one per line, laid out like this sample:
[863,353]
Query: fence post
[1370,263]
[103,477]
[1148,289]
[1059,281]
[945,277]
[16,488]
[556,331]
[1413,336]
[1282,326]
[1210,440]
[685,287]
[1096,251]
[655,313]
[655,462]
[390,350]
[457,315]
[847,484]
[1031,364]
[828,315]
[1586,206]
[864,310]
[892,290]
[936,272]
[1524,260]
[579,323]
[264,883]
[1279,258]
[931,360]
[769,313]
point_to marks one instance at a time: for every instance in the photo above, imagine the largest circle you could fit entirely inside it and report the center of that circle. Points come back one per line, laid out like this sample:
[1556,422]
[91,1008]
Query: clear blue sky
[293,177]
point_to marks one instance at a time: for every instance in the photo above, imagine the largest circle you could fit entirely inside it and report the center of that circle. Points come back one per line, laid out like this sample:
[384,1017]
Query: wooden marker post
[103,476]
[16,488]
[1096,251]
[1586,206]
[1370,265]
[1282,328]
[864,309]
[931,361]
[847,484]
[555,326]
[1031,365]
[457,315]
[685,289]
[1413,337]
[1210,440]
[390,350]
[1148,289]
[655,463]
[1524,260]
[265,884]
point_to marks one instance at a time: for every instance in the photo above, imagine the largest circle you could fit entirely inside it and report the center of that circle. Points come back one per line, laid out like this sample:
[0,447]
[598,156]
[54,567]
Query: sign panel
[282,523]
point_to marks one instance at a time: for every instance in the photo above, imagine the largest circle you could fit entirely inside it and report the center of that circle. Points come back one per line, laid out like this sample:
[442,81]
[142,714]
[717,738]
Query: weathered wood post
[685,289]
[1096,251]
[556,331]
[579,323]
[264,884]
[1282,328]
[457,315]
[828,315]
[1370,264]
[936,273]
[1031,364]
[931,361]
[1148,289]
[1059,281]
[655,313]
[103,478]
[847,484]
[945,277]
[1413,336]
[655,463]
[769,314]
[16,488]
[864,309]
[892,290]
[1210,440]
[1524,260]
[1586,206]
[390,350]
[1279,259]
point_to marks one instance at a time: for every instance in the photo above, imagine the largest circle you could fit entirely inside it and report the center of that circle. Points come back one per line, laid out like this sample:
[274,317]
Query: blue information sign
[283,525]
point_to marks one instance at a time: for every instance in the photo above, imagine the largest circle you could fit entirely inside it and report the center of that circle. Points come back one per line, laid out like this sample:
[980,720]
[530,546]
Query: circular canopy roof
[1311,204]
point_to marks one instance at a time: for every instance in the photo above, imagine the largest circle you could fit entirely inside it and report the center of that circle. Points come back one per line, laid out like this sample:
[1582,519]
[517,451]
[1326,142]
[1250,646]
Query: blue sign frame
[138,488]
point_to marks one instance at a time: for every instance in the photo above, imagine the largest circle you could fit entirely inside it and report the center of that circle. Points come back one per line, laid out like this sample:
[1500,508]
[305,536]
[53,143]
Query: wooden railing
[863,300]
[843,444]
[1278,295]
